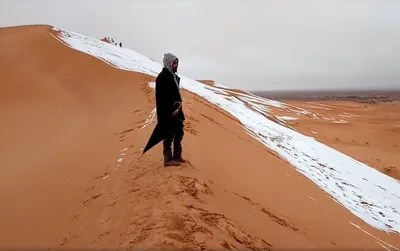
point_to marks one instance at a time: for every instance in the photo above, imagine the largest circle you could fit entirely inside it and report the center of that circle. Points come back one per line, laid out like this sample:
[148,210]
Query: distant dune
[366,123]
[362,96]
[208,82]
[78,111]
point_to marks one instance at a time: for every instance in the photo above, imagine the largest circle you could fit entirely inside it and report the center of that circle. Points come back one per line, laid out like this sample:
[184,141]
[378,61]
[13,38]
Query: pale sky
[247,44]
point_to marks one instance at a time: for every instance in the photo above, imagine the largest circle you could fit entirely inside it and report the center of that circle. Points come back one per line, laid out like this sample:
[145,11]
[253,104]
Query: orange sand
[67,119]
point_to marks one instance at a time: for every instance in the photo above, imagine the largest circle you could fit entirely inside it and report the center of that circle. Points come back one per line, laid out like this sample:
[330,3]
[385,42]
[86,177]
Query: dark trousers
[175,138]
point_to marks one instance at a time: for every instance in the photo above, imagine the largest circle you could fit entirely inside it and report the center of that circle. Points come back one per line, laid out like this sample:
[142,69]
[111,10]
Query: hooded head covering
[168,60]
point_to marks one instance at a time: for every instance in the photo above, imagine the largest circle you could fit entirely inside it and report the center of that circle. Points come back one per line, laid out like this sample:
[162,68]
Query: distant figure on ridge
[120,44]
[167,93]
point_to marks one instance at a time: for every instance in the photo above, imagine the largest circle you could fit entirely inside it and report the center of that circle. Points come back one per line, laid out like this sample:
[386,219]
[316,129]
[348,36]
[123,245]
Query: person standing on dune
[167,95]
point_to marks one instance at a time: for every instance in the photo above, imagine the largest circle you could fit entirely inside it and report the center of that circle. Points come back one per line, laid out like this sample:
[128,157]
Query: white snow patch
[341,121]
[366,192]
[152,85]
[149,119]
[314,132]
[311,198]
[348,115]
[117,57]
[305,112]
[121,157]
[250,98]
[287,118]
[220,85]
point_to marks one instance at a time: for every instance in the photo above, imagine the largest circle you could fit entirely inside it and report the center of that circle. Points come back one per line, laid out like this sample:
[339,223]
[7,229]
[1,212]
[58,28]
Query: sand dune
[77,112]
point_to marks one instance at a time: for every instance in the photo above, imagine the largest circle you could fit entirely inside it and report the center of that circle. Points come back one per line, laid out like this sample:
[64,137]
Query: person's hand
[175,112]
[179,104]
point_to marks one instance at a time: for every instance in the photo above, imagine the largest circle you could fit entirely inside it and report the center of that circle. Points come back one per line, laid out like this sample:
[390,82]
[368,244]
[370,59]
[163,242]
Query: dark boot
[178,152]
[168,160]
[178,157]
[178,144]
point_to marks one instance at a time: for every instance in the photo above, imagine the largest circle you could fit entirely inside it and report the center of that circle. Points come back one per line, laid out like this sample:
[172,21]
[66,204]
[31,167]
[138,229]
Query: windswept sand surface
[73,128]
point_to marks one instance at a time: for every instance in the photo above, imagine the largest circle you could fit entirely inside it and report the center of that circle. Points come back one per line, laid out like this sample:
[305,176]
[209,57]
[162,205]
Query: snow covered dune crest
[367,193]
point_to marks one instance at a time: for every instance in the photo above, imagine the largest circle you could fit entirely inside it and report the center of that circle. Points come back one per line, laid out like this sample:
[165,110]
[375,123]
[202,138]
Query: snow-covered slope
[367,193]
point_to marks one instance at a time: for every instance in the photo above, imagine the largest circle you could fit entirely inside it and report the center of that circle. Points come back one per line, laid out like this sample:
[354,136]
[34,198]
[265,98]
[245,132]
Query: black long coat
[167,93]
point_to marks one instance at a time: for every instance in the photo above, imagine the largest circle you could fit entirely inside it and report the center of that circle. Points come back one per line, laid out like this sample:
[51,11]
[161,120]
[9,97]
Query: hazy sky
[248,44]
